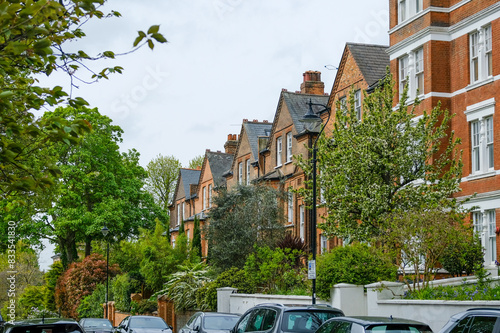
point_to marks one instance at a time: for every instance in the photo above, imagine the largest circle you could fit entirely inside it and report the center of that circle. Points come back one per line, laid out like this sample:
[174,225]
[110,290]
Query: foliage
[420,238]
[206,297]
[79,281]
[463,257]
[357,264]
[196,162]
[276,271]
[293,243]
[97,186]
[464,292]
[145,306]
[51,277]
[240,218]
[35,313]
[32,42]
[91,305]
[32,296]
[162,179]
[196,243]
[121,292]
[183,285]
[394,160]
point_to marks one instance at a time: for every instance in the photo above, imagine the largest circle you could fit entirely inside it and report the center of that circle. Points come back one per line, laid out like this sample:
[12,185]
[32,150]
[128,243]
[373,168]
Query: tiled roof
[255,130]
[371,59]
[219,164]
[297,105]
[189,176]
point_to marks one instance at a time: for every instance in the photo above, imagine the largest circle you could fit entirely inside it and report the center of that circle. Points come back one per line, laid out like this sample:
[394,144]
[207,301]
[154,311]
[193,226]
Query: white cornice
[446,34]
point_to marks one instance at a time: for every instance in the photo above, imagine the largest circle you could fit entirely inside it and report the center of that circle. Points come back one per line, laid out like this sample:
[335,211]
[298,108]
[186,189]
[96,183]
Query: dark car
[373,325]
[210,322]
[48,325]
[143,324]
[96,325]
[474,320]
[278,318]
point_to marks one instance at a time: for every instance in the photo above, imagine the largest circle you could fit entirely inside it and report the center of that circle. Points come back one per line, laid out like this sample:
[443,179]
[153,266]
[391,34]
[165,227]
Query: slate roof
[219,164]
[255,130]
[297,105]
[189,176]
[371,59]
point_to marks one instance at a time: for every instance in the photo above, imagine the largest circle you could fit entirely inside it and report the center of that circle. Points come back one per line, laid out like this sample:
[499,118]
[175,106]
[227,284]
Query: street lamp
[105,232]
[312,123]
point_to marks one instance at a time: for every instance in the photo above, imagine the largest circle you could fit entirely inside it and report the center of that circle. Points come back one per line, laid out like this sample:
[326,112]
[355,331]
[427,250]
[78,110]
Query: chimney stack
[231,144]
[312,83]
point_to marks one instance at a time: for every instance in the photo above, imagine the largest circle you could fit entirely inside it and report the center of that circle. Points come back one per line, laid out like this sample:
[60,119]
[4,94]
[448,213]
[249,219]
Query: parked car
[43,326]
[210,322]
[373,325]
[278,318]
[96,325]
[143,324]
[474,320]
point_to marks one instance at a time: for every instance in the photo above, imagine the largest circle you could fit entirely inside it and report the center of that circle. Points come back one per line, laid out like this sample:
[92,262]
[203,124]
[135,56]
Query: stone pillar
[381,291]
[349,298]
[223,299]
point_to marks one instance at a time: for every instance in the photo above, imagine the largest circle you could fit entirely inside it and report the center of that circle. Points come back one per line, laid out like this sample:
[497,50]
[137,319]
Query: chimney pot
[255,120]
[245,120]
[312,83]
[266,121]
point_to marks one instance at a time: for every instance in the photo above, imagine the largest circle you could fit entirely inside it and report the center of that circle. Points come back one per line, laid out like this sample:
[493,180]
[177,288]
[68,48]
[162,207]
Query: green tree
[463,256]
[51,277]
[392,160]
[91,305]
[196,162]
[162,178]
[240,218]
[355,264]
[196,244]
[32,297]
[98,186]
[33,40]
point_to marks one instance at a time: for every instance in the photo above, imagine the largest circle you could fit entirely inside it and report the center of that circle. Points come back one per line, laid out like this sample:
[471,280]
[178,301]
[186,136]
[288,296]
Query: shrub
[356,264]
[121,292]
[145,306]
[91,305]
[206,296]
[463,257]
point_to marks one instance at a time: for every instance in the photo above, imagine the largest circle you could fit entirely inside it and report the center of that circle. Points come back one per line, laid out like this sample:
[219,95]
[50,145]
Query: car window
[147,322]
[304,321]
[65,328]
[191,320]
[219,322]
[480,324]
[461,325]
[242,325]
[255,322]
[197,322]
[400,328]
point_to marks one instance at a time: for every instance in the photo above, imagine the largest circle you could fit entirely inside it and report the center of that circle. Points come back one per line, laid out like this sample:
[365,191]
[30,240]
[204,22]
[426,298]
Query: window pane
[482,324]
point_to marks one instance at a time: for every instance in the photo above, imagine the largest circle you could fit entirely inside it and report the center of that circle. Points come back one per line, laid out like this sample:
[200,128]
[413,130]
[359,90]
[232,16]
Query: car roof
[219,314]
[286,307]
[476,311]
[367,321]
[44,321]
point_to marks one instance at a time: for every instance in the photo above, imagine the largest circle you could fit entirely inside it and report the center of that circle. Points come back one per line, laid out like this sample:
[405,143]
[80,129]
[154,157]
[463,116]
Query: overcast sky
[225,60]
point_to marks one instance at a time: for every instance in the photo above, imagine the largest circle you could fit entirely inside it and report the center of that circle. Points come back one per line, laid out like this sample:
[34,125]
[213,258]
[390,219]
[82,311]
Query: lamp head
[105,231]
[311,120]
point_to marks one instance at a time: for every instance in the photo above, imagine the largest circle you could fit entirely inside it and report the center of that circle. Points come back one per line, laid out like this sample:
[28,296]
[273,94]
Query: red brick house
[448,51]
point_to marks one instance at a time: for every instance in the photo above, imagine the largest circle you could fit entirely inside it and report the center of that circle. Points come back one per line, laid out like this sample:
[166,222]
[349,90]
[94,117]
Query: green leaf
[151,44]
[153,29]
[159,38]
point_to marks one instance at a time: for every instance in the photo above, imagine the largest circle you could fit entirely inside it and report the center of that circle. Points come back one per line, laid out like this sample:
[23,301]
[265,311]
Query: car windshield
[152,322]
[63,328]
[97,323]
[219,322]
[306,321]
[403,328]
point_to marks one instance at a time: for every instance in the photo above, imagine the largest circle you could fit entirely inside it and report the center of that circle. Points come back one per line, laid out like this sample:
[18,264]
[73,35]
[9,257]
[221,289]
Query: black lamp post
[312,123]
[105,232]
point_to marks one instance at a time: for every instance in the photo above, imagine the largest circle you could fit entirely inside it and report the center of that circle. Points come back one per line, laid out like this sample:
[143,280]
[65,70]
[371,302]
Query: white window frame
[408,9]
[482,145]
[178,214]
[183,211]
[302,224]
[209,195]
[412,73]
[240,173]
[289,142]
[324,243]
[188,235]
[290,206]
[205,197]
[480,54]
[279,150]
[484,223]
[247,163]
[357,104]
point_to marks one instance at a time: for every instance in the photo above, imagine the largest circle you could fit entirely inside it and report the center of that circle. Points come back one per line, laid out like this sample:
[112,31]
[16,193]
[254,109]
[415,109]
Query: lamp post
[105,232]
[311,123]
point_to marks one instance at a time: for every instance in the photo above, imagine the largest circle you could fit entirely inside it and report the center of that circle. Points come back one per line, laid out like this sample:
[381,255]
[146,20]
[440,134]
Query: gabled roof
[255,130]
[298,107]
[371,59]
[189,177]
[219,164]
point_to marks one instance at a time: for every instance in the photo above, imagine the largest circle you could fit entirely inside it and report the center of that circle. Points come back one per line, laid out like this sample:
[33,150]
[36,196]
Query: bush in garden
[355,264]
[463,256]
[91,305]
[206,296]
[79,281]
[121,292]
